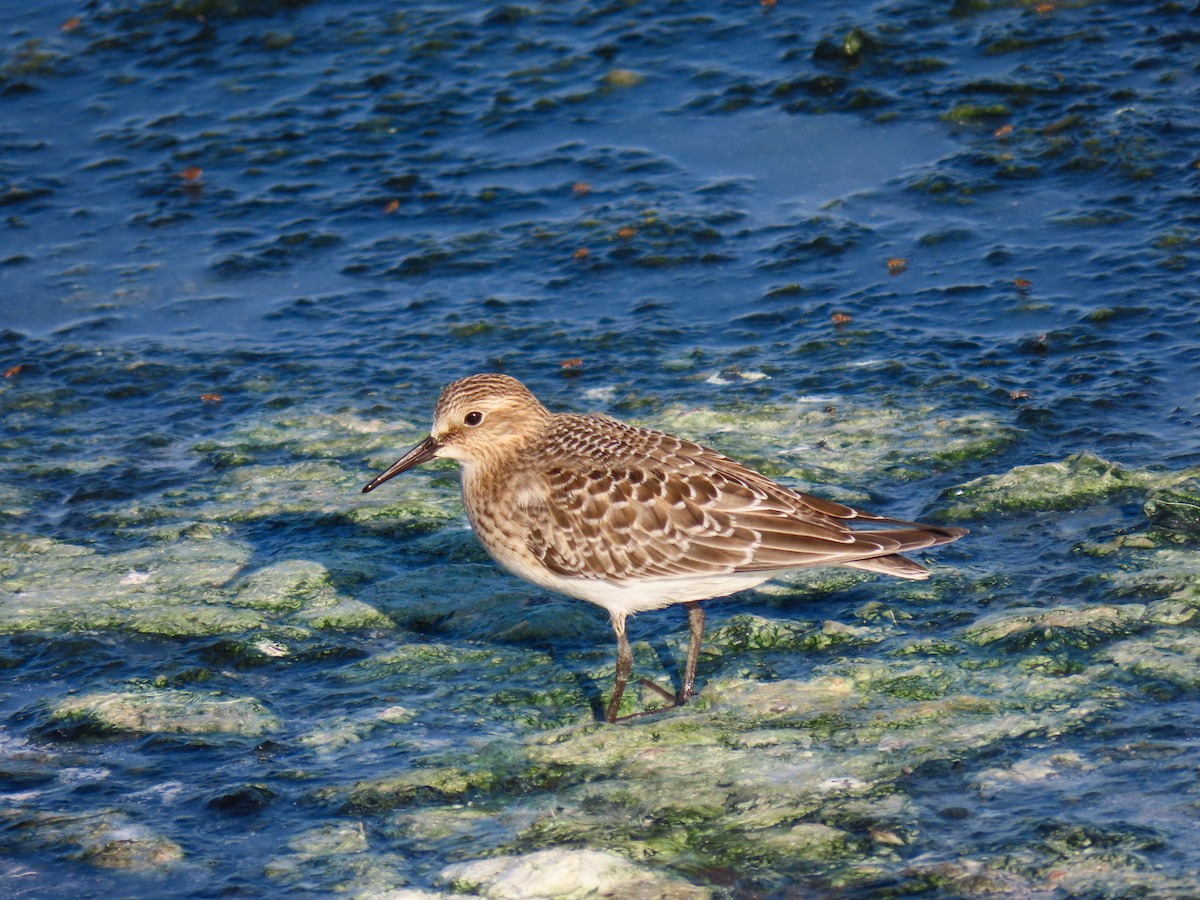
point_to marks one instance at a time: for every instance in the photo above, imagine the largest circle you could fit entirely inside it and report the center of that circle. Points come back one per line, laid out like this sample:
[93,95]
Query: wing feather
[617,502]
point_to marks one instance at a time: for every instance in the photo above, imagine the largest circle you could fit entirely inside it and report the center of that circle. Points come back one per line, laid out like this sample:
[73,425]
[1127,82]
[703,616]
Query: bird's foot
[673,701]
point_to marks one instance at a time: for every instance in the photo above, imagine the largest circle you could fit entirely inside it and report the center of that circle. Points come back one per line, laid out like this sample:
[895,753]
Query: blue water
[387,201]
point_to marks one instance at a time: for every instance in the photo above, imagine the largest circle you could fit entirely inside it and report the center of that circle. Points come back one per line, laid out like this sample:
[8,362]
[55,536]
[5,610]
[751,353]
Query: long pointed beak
[423,452]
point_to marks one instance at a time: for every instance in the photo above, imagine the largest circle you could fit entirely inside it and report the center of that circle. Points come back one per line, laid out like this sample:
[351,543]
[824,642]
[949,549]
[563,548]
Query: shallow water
[228,671]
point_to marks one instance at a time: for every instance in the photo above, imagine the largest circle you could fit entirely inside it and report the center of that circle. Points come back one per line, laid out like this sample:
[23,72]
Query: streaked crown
[485,415]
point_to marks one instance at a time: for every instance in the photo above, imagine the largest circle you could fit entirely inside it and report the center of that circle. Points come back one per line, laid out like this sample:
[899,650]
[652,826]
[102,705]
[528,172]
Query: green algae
[190,581]
[16,502]
[462,831]
[180,590]
[1152,568]
[906,663]
[834,749]
[304,588]
[329,839]
[187,621]
[288,585]
[748,632]
[481,679]
[401,519]
[344,614]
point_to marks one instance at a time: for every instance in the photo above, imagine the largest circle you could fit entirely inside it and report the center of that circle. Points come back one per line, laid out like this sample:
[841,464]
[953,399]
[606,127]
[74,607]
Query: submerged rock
[339,731]
[171,590]
[105,838]
[479,601]
[167,712]
[1176,508]
[340,856]
[566,873]
[286,585]
[1078,627]
[820,446]
[16,501]
[1172,655]
[416,785]
[1079,480]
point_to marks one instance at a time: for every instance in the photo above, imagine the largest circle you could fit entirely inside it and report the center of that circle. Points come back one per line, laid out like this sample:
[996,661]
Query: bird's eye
[473,419]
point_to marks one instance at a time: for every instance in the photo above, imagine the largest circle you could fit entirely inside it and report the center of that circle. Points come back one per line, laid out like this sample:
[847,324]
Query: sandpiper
[633,519]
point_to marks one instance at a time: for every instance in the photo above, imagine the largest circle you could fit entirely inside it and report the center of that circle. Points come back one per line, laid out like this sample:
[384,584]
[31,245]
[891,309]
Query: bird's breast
[499,511]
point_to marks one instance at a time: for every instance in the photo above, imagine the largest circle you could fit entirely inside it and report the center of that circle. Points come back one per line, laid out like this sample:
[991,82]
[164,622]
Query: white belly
[644,595]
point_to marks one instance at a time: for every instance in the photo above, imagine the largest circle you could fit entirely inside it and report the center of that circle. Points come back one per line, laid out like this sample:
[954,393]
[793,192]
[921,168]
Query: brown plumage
[634,519]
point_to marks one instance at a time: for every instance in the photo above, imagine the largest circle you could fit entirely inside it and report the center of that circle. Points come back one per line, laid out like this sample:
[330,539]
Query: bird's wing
[651,505]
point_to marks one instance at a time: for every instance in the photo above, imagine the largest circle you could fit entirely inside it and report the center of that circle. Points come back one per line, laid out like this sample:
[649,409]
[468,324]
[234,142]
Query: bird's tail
[895,565]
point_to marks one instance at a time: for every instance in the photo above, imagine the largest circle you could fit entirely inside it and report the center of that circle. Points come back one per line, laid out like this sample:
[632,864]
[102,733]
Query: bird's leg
[624,669]
[696,627]
[624,666]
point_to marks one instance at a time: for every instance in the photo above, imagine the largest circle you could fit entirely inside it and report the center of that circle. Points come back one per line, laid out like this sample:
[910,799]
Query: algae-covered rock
[187,586]
[286,585]
[176,589]
[1078,481]
[746,632]
[337,732]
[341,855]
[344,613]
[417,784]
[804,839]
[16,501]
[1172,655]
[566,873]
[965,877]
[329,839]
[485,681]
[167,712]
[304,588]
[465,830]
[1176,508]
[822,448]
[1171,611]
[134,849]
[1032,770]
[750,632]
[104,838]
[402,518]
[1158,571]
[191,620]
[1076,627]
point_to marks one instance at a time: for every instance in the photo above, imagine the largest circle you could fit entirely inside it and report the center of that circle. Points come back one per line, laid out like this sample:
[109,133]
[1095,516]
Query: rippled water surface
[890,252]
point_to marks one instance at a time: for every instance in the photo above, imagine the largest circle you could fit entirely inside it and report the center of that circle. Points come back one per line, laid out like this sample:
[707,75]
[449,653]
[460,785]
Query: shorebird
[635,520]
